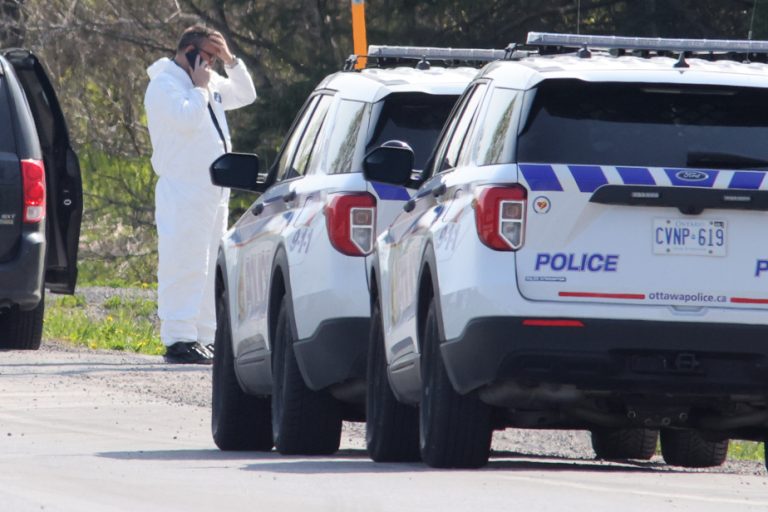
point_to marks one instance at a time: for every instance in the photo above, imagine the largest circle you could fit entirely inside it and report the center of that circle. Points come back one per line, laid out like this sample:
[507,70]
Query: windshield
[651,125]
[415,118]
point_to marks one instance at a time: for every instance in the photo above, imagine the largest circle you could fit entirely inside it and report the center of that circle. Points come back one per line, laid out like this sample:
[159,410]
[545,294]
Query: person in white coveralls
[185,103]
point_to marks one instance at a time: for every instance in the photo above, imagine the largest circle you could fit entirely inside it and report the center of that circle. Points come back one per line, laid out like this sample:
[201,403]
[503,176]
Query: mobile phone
[192,57]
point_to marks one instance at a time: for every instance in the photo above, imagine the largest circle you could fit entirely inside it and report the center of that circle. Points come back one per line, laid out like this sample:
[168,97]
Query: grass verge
[116,324]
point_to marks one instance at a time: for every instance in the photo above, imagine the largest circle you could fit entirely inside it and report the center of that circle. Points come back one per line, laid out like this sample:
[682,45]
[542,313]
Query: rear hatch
[64,194]
[645,193]
[413,118]
[10,179]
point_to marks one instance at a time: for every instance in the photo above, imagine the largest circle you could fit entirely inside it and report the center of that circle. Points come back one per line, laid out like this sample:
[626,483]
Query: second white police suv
[293,307]
[587,250]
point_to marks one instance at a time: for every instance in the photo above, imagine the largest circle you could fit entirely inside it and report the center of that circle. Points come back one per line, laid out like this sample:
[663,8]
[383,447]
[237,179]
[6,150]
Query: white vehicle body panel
[323,284]
[628,281]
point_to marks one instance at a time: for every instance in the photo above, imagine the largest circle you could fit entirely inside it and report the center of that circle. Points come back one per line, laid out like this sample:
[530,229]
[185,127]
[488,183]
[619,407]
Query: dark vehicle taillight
[500,216]
[33,178]
[351,222]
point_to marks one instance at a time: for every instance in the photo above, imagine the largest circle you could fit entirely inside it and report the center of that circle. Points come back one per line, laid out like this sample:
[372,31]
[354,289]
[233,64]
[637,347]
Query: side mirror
[391,164]
[238,170]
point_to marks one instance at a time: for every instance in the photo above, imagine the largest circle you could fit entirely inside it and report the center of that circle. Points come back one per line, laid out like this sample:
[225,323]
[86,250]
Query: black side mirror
[238,170]
[389,164]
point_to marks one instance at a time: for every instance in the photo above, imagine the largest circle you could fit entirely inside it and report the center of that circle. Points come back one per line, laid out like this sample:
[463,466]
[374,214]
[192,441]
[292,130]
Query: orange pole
[358,32]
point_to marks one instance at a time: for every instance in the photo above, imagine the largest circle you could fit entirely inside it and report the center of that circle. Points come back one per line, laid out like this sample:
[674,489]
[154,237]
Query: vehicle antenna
[752,21]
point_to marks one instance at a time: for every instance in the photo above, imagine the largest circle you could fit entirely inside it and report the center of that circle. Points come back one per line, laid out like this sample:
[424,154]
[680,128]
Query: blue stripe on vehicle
[541,177]
[388,192]
[677,182]
[746,180]
[588,177]
[636,176]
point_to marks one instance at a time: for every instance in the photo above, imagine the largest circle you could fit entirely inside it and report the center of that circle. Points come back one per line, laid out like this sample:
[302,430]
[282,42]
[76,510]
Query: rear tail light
[33,181]
[500,217]
[351,222]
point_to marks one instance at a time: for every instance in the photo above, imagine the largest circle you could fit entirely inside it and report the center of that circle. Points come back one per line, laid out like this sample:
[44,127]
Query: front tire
[239,421]
[22,330]
[624,443]
[391,427]
[455,430]
[304,422]
[689,449]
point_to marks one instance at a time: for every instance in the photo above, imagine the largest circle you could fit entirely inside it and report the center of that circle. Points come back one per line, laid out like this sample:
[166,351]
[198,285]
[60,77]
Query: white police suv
[292,294]
[587,250]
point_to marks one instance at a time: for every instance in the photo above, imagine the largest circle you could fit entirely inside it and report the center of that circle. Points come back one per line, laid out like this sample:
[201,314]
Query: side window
[7,144]
[449,155]
[494,137]
[289,148]
[308,142]
[342,141]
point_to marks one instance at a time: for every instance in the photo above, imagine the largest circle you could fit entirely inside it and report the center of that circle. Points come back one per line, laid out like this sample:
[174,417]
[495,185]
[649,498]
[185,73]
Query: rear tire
[455,430]
[304,422]
[689,449]
[239,421]
[391,427]
[624,443]
[22,330]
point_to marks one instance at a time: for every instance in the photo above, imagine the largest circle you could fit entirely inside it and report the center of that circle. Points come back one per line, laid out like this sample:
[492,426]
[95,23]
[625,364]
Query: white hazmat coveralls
[190,212]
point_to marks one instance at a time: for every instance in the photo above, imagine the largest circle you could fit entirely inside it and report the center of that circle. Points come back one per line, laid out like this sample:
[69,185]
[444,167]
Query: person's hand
[201,74]
[222,49]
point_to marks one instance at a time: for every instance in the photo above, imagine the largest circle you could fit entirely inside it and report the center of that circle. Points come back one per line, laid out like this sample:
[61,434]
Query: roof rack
[646,43]
[422,54]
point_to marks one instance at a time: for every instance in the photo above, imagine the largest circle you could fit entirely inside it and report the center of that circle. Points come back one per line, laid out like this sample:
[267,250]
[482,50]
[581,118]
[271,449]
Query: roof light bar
[419,52]
[647,43]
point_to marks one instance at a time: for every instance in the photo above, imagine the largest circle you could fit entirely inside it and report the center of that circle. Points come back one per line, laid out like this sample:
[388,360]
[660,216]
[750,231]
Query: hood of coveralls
[159,66]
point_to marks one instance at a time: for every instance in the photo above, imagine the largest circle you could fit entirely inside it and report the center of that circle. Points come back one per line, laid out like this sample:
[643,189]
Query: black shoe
[188,352]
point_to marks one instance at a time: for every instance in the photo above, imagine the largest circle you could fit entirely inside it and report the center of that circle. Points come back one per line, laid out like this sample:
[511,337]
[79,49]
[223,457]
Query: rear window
[638,124]
[415,118]
[7,144]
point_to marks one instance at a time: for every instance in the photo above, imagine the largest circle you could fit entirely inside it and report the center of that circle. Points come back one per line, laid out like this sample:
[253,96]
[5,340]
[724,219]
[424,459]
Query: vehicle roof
[373,84]
[602,67]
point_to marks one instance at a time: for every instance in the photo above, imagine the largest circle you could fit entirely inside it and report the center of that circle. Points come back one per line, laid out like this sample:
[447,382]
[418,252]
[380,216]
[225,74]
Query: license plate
[690,237]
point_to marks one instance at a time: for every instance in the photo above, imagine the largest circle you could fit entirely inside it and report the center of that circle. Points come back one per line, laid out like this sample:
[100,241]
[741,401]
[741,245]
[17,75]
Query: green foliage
[118,241]
[746,450]
[141,308]
[126,327]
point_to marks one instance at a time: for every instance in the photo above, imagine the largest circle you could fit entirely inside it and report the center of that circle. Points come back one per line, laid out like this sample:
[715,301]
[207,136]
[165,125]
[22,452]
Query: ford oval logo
[691,175]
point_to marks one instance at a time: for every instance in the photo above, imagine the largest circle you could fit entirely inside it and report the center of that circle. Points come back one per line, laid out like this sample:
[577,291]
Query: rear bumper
[335,353]
[612,355]
[21,279]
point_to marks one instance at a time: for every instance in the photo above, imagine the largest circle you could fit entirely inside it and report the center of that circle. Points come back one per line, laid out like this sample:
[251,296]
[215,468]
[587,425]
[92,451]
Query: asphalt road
[86,431]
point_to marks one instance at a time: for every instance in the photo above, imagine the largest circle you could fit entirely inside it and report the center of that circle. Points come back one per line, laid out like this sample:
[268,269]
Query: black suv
[41,199]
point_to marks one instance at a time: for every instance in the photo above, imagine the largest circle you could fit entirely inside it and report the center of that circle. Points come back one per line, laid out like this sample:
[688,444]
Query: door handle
[290,196]
[256,210]
[409,205]
[439,190]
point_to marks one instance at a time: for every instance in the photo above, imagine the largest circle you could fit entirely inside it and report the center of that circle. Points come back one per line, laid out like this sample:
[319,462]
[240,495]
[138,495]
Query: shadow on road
[357,461]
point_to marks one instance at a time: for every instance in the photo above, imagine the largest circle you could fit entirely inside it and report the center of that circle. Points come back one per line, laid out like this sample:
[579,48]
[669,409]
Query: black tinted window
[415,118]
[7,144]
[575,122]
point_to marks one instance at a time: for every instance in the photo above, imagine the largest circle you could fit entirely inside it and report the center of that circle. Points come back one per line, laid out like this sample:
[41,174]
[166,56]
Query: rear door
[645,193]
[63,182]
